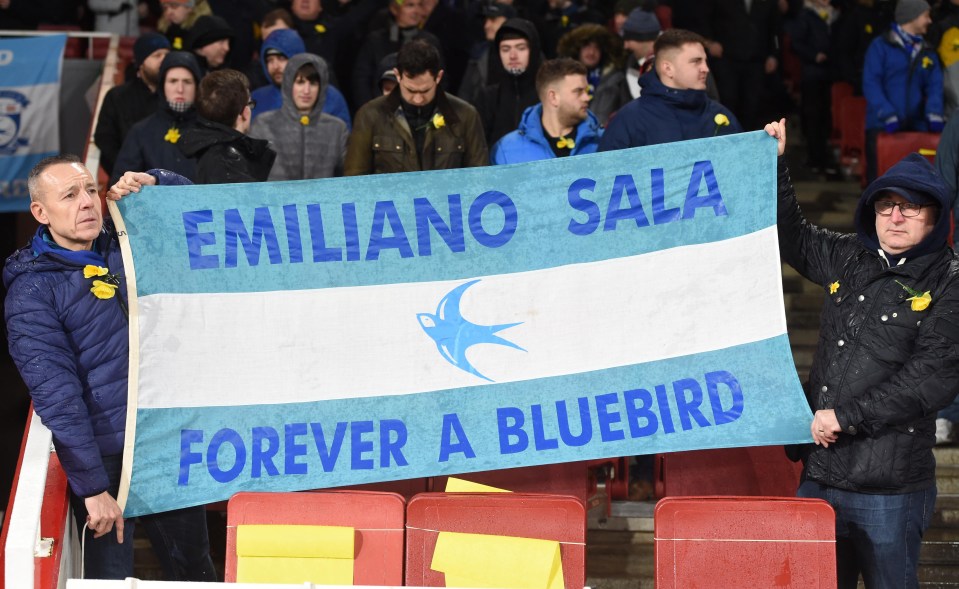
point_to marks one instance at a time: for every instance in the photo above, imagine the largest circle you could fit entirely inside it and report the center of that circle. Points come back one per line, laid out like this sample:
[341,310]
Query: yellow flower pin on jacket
[920,301]
[172,135]
[565,142]
[721,121]
[438,121]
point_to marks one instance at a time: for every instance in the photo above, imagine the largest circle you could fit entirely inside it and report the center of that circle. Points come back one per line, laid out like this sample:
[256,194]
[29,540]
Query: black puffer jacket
[226,156]
[885,368]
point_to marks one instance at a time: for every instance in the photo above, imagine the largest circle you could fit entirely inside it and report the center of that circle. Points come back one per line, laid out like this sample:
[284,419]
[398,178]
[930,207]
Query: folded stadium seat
[496,540]
[571,478]
[664,14]
[744,542]
[319,537]
[892,147]
[838,91]
[852,133]
[791,68]
[757,471]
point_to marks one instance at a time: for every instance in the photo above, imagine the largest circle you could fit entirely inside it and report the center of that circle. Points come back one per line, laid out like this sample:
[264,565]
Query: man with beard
[151,143]
[126,105]
[417,126]
[511,82]
[560,125]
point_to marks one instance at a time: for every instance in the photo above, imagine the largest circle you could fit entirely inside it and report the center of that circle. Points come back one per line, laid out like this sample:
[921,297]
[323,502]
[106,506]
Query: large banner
[312,334]
[29,103]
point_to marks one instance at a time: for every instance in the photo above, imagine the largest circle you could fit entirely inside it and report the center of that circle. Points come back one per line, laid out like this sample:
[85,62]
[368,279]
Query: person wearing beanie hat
[640,31]
[210,39]
[135,100]
[178,18]
[277,49]
[477,68]
[887,360]
[902,80]
[152,143]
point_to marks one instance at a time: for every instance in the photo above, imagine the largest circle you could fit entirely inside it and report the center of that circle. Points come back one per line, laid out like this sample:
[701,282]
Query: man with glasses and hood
[152,143]
[887,360]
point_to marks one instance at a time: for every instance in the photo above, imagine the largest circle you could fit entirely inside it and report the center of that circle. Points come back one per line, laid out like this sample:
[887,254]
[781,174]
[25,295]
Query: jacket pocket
[449,152]
[389,154]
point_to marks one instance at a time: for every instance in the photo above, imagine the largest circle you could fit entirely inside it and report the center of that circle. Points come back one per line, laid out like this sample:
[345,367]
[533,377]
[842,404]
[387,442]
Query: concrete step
[947,479]
[946,455]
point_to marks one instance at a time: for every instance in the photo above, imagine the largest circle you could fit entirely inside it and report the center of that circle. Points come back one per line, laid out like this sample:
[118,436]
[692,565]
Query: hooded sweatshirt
[915,179]
[270,97]
[151,143]
[307,146]
[502,102]
[664,115]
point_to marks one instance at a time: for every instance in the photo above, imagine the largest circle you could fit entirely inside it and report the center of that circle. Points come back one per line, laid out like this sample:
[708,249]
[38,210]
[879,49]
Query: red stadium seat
[545,517]
[762,470]
[664,14]
[852,133]
[570,478]
[744,542]
[892,147]
[376,517]
[838,92]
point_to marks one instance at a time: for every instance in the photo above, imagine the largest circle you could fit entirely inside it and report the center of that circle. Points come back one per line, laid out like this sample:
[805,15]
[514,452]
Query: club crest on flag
[454,335]
[12,105]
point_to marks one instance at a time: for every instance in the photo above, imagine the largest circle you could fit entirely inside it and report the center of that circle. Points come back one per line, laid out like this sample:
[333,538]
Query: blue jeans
[951,412]
[876,535]
[179,538]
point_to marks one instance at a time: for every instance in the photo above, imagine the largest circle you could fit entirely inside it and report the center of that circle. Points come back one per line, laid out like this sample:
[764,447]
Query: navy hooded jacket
[665,115]
[72,351]
[270,97]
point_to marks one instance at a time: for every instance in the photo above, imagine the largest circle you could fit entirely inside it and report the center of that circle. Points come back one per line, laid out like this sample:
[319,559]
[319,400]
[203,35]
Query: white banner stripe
[388,352]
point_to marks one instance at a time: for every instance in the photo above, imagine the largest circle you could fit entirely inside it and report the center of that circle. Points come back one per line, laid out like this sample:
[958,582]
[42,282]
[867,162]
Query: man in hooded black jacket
[511,83]
[887,360]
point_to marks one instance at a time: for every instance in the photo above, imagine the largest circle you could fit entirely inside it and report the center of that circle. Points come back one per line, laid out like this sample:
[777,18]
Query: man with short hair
[901,80]
[477,68]
[67,325]
[151,143]
[218,142]
[887,360]
[126,105]
[560,125]
[210,41]
[418,126]
[673,105]
[640,31]
[403,26]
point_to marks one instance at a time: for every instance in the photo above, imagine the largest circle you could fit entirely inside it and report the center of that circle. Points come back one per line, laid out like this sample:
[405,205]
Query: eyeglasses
[251,103]
[906,209]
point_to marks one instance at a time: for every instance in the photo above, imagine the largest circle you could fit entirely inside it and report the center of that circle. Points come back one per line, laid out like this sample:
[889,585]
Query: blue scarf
[911,42]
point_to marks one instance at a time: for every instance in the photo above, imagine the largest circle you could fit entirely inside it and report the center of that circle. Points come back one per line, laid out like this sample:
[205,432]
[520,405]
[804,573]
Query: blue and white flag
[29,107]
[312,334]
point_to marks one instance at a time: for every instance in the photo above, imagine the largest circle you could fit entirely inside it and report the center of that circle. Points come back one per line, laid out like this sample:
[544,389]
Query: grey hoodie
[312,150]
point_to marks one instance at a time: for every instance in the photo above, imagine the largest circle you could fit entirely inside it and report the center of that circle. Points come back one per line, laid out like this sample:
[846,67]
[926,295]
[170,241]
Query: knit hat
[146,44]
[187,3]
[641,26]
[386,68]
[209,29]
[909,10]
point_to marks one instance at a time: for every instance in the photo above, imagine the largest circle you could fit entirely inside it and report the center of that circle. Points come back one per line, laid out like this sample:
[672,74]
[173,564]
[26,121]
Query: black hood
[179,59]
[917,180]
[525,28]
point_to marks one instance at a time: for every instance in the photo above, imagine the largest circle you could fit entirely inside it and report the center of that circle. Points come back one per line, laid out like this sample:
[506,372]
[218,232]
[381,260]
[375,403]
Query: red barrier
[544,517]
[53,520]
[758,471]
[376,517]
[743,542]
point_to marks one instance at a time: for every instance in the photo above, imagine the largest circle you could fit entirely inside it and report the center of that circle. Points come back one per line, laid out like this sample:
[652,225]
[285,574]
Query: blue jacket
[72,351]
[528,143]
[897,86]
[270,97]
[665,115]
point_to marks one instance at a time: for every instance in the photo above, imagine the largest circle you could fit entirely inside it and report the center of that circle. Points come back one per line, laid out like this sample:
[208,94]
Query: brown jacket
[381,141]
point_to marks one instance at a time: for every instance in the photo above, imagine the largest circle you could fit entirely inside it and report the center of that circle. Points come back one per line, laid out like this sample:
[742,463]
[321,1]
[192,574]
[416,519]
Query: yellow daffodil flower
[320,29]
[439,121]
[721,120]
[926,63]
[89,271]
[103,290]
[564,21]
[178,43]
[834,287]
[304,120]
[920,302]
[565,142]
[172,135]
[868,29]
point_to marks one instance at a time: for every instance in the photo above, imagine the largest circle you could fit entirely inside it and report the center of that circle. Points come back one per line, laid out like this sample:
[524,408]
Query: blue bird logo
[454,335]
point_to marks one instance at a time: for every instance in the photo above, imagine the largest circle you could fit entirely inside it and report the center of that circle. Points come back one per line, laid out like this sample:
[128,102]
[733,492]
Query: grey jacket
[306,147]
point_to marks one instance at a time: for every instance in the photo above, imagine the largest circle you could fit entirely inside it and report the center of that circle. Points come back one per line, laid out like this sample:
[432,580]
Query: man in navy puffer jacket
[67,322]
[672,104]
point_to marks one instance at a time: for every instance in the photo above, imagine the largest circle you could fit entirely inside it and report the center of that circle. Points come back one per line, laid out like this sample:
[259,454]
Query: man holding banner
[66,314]
[886,362]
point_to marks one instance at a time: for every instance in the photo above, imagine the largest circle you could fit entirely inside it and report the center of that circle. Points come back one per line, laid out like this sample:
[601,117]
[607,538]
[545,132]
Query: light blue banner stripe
[35,60]
[167,222]
[14,194]
[766,414]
